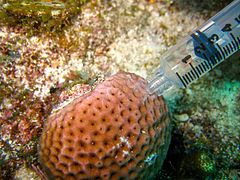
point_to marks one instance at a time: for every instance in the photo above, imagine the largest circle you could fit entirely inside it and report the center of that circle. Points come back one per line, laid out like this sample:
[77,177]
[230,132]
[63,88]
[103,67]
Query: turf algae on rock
[47,15]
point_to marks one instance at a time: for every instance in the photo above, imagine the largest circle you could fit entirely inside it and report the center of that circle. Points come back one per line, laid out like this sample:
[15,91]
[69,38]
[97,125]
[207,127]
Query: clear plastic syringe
[205,48]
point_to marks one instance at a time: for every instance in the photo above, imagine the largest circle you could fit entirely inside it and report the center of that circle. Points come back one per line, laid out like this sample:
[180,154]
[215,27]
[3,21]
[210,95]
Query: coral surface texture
[117,130]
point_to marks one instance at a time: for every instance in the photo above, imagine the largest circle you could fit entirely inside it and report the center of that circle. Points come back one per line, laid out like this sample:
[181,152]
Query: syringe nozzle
[159,83]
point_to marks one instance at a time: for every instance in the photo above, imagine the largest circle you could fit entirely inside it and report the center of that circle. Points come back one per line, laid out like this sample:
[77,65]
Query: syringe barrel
[205,48]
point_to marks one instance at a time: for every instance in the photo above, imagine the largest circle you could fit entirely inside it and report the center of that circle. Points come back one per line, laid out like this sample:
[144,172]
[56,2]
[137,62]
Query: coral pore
[115,131]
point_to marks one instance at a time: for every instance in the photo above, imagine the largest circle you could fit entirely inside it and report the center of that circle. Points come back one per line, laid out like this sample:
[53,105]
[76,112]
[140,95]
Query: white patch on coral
[125,141]
[125,153]
[117,146]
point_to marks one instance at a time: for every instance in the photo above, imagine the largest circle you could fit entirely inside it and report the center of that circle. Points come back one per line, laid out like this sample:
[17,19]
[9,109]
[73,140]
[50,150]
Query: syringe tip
[157,84]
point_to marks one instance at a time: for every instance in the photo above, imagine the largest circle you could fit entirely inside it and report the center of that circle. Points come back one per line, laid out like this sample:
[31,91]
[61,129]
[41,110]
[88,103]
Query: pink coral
[109,133]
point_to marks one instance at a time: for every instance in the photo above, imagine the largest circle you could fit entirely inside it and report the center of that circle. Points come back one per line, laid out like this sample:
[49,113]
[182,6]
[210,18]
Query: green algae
[206,163]
[48,15]
[201,163]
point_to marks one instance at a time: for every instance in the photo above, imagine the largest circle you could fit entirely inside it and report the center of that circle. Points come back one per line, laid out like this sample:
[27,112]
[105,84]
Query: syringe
[205,48]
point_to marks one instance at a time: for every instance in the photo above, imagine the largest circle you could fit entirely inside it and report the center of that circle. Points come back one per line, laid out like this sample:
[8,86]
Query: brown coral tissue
[116,131]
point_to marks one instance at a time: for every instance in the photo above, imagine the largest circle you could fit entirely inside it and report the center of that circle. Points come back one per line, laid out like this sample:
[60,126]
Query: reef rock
[118,130]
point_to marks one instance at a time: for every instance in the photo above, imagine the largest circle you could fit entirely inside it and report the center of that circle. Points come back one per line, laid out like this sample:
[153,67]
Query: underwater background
[47,47]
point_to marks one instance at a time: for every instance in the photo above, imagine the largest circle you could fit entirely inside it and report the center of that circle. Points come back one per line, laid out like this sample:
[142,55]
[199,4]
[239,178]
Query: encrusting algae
[117,130]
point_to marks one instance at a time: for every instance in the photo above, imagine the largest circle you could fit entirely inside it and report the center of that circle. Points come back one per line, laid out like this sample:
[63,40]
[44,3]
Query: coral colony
[108,133]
